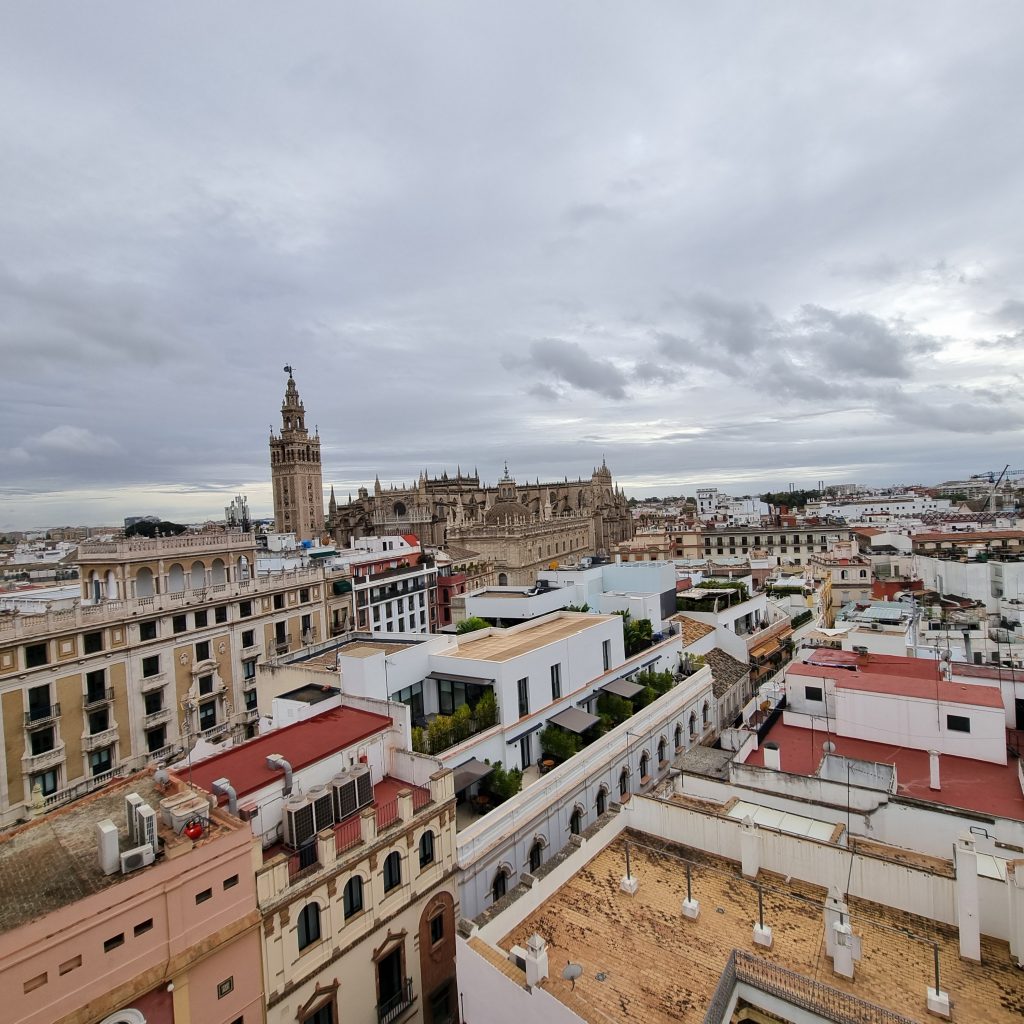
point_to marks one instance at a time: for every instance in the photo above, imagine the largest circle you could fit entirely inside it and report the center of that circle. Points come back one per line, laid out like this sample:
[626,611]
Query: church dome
[503,513]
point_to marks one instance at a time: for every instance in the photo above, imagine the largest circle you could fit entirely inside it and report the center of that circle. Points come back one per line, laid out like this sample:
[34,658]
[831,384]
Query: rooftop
[973,785]
[642,962]
[504,645]
[692,629]
[53,861]
[725,670]
[300,745]
[917,686]
[879,664]
[967,537]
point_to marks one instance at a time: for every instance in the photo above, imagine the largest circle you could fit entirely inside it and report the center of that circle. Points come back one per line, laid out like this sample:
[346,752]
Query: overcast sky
[736,244]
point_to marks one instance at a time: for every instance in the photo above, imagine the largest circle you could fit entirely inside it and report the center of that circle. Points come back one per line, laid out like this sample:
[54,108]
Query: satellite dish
[571,972]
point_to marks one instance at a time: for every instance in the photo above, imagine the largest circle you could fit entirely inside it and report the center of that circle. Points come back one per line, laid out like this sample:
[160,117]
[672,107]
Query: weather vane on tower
[289,369]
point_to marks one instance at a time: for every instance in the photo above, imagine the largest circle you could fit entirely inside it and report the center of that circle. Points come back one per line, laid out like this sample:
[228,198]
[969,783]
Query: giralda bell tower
[295,470]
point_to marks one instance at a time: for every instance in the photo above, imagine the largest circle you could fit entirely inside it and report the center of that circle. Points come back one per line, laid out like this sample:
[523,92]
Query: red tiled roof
[969,538]
[300,745]
[1000,672]
[879,664]
[973,694]
[411,539]
[867,531]
[977,785]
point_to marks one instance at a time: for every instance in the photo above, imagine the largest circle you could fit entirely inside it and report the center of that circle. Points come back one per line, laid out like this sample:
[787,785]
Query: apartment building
[123,909]
[160,649]
[845,575]
[791,544]
[356,888]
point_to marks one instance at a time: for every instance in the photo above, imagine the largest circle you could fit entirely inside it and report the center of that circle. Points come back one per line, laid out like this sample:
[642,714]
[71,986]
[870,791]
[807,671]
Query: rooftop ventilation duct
[222,787]
[276,763]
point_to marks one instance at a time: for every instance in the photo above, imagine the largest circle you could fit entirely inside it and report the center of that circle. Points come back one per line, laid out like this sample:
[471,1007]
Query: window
[679,735]
[249,669]
[426,849]
[47,781]
[392,871]
[662,746]
[436,929]
[606,654]
[576,821]
[69,965]
[323,1015]
[309,925]
[226,987]
[693,724]
[95,686]
[205,685]
[601,803]
[244,609]
[304,595]
[220,613]
[624,782]
[156,739]
[645,765]
[958,723]
[143,926]
[499,886]
[154,701]
[208,715]
[556,681]
[151,666]
[249,638]
[440,1005]
[536,855]
[812,693]
[33,983]
[202,897]
[231,881]
[203,650]
[201,619]
[523,688]
[101,761]
[705,714]
[92,643]
[278,602]
[42,741]
[35,655]
[251,701]
[352,898]
[99,721]
[179,623]
[113,942]
[147,630]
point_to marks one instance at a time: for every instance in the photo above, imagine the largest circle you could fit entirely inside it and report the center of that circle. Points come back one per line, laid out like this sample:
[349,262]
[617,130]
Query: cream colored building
[161,650]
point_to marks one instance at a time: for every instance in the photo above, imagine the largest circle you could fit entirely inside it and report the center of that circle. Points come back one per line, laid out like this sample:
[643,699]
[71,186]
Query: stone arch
[536,855]
[218,572]
[243,568]
[601,800]
[502,579]
[679,735]
[705,714]
[499,884]
[144,582]
[176,579]
[645,765]
[662,749]
[197,575]
[110,586]
[576,819]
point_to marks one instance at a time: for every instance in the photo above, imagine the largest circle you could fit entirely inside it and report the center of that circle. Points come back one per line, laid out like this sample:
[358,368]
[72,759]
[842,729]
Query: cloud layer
[726,245]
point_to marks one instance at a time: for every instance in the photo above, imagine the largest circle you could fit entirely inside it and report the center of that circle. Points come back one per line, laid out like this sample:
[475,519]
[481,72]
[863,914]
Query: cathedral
[522,527]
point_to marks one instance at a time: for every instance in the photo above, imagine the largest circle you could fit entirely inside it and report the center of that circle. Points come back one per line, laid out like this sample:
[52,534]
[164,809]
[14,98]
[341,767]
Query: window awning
[768,647]
[451,676]
[469,772]
[622,688]
[574,719]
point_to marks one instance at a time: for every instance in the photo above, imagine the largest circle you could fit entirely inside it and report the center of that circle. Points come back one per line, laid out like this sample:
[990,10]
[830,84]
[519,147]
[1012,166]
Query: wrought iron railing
[394,1007]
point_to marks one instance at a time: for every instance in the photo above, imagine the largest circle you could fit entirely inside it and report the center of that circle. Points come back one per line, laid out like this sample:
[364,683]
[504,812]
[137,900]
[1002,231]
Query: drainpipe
[276,763]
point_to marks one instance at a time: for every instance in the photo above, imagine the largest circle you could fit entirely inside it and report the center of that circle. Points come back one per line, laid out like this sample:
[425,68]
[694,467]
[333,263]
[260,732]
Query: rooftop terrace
[642,962]
[513,643]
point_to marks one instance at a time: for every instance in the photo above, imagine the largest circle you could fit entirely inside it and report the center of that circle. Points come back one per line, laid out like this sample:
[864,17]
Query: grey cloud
[590,213]
[1010,313]
[570,363]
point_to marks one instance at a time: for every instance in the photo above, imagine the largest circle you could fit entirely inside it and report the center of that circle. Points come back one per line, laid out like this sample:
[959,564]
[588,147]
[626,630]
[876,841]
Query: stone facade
[295,471]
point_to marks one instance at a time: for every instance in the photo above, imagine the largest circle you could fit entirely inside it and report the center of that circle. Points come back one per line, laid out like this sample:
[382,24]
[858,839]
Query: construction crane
[995,486]
[991,475]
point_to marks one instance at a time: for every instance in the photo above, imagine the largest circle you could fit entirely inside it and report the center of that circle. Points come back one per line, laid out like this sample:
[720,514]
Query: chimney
[772,756]
[536,960]
[933,770]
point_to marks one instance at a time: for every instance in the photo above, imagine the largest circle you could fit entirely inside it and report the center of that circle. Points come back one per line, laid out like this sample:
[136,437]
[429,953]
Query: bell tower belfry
[295,471]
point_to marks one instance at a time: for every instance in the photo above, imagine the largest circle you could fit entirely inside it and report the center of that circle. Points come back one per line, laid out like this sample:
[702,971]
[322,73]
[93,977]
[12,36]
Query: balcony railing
[252,714]
[152,682]
[281,646]
[303,863]
[32,763]
[95,699]
[156,718]
[393,1008]
[41,716]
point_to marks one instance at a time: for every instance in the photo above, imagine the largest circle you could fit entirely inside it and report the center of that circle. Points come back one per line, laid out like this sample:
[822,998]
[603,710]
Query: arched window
[197,576]
[662,749]
[601,803]
[500,885]
[536,854]
[844,575]
[352,898]
[693,724]
[624,782]
[863,574]
[705,714]
[144,582]
[502,579]
[576,821]
[679,735]
[176,579]
[645,765]
[392,871]
[426,848]
[309,925]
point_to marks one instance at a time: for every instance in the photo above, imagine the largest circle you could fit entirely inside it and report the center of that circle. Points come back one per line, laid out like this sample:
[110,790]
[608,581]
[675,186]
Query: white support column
[968,913]
[750,848]
[1015,893]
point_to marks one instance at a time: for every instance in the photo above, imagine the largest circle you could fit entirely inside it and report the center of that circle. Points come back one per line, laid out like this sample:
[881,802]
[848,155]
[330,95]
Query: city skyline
[733,247]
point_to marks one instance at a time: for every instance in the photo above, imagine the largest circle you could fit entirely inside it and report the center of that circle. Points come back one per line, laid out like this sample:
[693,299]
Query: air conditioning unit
[168,804]
[181,814]
[132,802]
[353,790]
[323,806]
[132,860]
[299,822]
[145,824]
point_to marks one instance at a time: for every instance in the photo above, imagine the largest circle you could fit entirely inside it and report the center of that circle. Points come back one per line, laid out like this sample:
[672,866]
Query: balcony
[32,763]
[248,682]
[214,731]
[281,644]
[252,714]
[42,716]
[393,1008]
[99,740]
[153,682]
[156,718]
[97,699]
